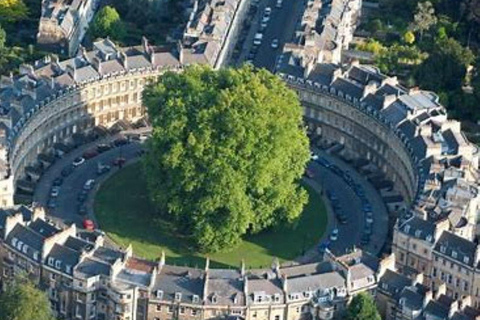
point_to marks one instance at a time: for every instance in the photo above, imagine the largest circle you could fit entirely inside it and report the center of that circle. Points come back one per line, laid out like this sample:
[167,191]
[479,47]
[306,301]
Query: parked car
[341,216]
[52,203]
[365,239]
[55,192]
[257,40]
[120,142]
[78,161]
[369,217]
[67,171]
[103,147]
[82,210]
[88,225]
[334,235]
[119,161]
[279,4]
[57,182]
[102,168]
[309,173]
[82,196]
[313,156]
[274,44]
[90,154]
[89,184]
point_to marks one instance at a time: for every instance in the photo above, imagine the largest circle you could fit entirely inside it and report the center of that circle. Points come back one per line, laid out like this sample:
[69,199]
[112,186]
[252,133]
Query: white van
[89,184]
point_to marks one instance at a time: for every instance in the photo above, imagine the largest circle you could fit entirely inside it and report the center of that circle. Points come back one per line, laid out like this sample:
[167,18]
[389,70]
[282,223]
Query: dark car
[57,182]
[324,162]
[365,239]
[103,147]
[52,203]
[82,210]
[331,195]
[67,171]
[341,216]
[82,196]
[120,142]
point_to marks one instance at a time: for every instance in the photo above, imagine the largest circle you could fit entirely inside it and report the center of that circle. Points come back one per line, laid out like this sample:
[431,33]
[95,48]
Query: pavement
[281,26]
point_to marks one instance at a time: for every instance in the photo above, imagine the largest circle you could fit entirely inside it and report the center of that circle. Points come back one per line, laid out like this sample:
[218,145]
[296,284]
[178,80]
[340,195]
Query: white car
[89,184]
[334,235]
[274,44]
[258,39]
[279,4]
[267,10]
[369,217]
[78,161]
[55,191]
[314,156]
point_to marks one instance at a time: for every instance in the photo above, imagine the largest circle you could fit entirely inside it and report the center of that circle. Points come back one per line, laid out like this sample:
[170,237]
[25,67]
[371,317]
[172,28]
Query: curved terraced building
[401,139]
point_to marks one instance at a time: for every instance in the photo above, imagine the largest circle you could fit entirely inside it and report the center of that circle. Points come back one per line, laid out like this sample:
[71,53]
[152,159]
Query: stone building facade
[87,279]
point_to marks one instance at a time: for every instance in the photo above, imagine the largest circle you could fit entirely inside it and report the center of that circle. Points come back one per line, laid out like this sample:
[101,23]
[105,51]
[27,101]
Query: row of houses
[85,278]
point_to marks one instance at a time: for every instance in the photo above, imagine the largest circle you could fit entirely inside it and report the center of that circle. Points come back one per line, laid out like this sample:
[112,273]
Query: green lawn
[125,213]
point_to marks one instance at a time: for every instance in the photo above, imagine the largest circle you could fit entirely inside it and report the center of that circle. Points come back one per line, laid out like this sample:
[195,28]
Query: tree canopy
[362,307]
[227,152]
[107,23]
[23,301]
[12,10]
[446,67]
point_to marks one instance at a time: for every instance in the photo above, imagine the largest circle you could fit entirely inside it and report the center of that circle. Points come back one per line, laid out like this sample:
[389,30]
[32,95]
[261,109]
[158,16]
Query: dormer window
[276,297]
[178,296]
[454,254]
[418,233]
[235,299]
[466,260]
[195,298]
[443,249]
[407,228]
[25,248]
[51,261]
[35,255]
[58,264]
[19,245]
[159,294]
[14,241]
[68,268]
[214,298]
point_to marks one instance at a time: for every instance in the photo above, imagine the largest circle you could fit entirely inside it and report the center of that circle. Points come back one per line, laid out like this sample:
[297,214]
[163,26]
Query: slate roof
[32,240]
[68,258]
[186,281]
[393,283]
[44,228]
[456,248]
[419,228]
[316,282]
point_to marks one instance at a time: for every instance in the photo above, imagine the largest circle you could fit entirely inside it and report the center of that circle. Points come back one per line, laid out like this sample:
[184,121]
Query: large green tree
[446,67]
[362,307]
[227,152]
[107,23]
[23,301]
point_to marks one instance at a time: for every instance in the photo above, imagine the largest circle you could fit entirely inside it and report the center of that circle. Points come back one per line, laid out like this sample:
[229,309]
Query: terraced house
[86,279]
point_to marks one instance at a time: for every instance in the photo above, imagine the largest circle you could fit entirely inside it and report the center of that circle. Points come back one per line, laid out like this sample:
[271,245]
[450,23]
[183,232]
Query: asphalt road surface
[67,204]
[349,234]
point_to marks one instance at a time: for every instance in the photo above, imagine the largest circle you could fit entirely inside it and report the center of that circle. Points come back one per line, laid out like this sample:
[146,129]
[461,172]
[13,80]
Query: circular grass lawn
[124,212]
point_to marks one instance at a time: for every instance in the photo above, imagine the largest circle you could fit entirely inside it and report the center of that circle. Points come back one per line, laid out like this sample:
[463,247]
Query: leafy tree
[446,67]
[362,307]
[409,37]
[23,301]
[12,10]
[227,152]
[107,23]
[424,17]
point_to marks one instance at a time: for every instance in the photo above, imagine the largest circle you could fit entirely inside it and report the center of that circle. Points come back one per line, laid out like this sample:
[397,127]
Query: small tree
[107,23]
[409,37]
[23,301]
[362,307]
[424,17]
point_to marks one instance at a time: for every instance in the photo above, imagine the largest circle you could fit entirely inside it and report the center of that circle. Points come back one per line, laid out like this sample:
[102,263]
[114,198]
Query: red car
[118,162]
[88,225]
[90,154]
